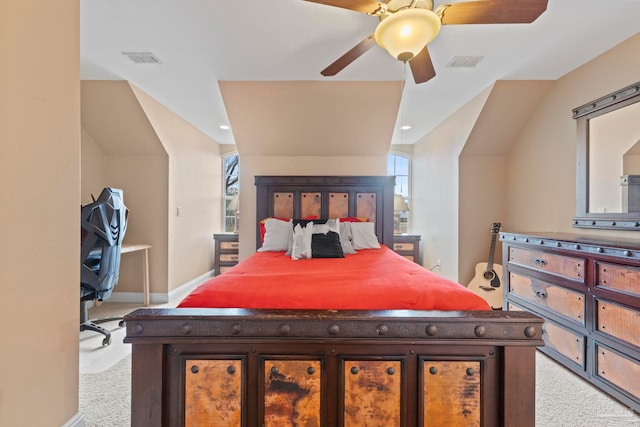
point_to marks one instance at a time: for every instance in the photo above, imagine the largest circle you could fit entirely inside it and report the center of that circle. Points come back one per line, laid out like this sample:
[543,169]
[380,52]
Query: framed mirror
[608,161]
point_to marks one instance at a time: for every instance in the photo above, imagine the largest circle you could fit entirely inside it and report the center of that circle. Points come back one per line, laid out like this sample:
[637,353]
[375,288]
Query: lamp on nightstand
[399,206]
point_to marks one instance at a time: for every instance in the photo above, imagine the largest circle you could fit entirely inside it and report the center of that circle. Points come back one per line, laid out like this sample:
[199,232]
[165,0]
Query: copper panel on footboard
[292,393]
[372,393]
[451,393]
[213,391]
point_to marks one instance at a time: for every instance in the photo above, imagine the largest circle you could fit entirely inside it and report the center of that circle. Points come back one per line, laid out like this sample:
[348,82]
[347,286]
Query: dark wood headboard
[328,197]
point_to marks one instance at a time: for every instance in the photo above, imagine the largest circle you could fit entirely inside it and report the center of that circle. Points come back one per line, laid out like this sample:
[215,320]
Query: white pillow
[364,235]
[346,238]
[277,235]
[301,247]
[330,225]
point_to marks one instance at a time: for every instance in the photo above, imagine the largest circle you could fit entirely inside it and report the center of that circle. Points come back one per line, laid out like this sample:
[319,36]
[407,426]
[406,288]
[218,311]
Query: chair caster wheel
[121,323]
[106,341]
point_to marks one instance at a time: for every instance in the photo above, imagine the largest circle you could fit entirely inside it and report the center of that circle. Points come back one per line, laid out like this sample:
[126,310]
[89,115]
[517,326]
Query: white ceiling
[201,42]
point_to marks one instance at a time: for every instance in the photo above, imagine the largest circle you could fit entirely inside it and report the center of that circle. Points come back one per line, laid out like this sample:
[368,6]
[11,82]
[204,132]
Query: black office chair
[103,225]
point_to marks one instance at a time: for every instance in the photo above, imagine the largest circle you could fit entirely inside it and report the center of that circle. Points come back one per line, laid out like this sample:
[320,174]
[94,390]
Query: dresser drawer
[618,321]
[560,265]
[618,278]
[228,257]
[619,370]
[565,342]
[229,246]
[403,247]
[562,301]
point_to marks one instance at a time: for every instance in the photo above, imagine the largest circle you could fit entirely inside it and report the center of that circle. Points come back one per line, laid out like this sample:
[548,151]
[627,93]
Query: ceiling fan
[407,26]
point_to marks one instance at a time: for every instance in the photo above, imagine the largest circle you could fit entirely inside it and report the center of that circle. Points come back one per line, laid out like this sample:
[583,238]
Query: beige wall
[194,190]
[40,197]
[279,132]
[542,163]
[435,178]
[482,190]
[483,170]
[94,168]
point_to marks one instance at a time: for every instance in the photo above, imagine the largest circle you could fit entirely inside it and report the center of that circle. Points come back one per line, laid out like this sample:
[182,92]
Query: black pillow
[326,245]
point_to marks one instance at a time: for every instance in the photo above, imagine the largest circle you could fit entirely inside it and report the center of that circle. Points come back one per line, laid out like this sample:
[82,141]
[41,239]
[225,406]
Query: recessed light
[225,127]
[405,127]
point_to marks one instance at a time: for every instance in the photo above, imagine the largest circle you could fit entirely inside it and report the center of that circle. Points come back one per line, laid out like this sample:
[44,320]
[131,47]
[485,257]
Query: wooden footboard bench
[239,367]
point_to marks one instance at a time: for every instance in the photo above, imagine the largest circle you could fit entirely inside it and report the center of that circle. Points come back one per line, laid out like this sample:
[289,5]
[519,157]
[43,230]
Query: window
[399,165]
[231,193]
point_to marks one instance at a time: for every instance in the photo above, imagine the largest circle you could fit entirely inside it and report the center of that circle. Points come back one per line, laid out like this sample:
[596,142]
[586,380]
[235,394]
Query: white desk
[127,248]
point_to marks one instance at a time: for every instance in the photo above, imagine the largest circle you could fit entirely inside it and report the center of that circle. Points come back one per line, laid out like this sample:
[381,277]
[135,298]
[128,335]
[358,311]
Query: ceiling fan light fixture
[404,33]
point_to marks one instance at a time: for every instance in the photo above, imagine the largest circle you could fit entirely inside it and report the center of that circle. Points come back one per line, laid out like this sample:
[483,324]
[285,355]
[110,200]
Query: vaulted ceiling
[213,53]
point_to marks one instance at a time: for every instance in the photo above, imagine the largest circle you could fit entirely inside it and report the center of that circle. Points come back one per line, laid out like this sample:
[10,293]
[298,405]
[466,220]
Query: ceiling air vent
[142,57]
[464,61]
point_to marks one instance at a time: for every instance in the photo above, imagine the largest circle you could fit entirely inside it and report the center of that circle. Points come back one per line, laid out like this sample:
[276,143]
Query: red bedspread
[374,279]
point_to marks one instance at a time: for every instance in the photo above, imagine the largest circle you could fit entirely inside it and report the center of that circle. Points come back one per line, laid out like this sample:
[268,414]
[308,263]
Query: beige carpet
[105,397]
[562,398]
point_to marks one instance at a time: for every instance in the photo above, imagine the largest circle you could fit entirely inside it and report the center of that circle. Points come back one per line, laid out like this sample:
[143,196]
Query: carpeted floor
[105,397]
[562,398]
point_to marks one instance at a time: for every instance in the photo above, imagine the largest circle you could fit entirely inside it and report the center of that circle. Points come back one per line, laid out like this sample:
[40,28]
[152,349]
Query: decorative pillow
[316,239]
[263,228]
[303,222]
[346,238]
[277,235]
[301,242]
[326,245]
[364,236]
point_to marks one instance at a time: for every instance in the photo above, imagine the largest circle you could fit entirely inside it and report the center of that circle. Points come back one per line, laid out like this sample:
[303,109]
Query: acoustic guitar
[488,279]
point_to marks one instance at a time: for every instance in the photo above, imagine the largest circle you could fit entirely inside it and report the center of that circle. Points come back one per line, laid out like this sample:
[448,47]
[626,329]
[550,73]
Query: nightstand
[226,252]
[408,246]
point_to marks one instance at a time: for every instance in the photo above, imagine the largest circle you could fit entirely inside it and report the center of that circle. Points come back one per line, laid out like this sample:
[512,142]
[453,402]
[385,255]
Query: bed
[356,351]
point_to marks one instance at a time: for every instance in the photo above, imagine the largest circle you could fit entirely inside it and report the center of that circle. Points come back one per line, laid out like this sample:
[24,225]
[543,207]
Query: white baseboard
[77,421]
[161,298]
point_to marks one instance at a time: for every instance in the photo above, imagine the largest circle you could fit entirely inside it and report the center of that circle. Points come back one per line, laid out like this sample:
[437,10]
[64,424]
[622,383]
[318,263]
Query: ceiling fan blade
[422,66]
[346,59]
[364,6]
[493,12]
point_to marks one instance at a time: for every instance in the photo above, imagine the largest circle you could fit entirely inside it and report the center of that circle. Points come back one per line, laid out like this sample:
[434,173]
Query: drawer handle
[540,262]
[541,294]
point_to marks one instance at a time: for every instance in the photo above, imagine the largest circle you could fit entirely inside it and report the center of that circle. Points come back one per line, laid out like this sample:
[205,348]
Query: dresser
[226,252]
[408,246]
[587,290]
